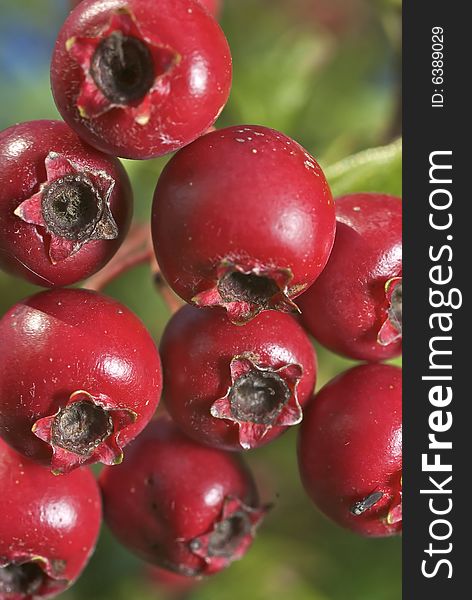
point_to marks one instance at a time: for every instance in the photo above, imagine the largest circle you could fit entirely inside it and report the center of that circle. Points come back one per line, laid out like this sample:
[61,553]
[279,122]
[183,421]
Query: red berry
[64,207]
[80,377]
[179,505]
[355,307]
[48,529]
[236,387]
[350,450]
[243,218]
[142,78]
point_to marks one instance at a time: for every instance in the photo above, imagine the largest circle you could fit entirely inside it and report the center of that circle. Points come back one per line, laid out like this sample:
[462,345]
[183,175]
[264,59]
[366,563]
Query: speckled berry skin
[49,525]
[199,350]
[171,495]
[350,450]
[174,90]
[70,346]
[347,307]
[246,201]
[28,155]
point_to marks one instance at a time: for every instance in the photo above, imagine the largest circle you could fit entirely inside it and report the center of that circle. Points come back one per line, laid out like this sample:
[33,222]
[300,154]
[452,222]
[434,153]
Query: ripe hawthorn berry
[65,208]
[179,505]
[80,377]
[242,218]
[350,450]
[48,529]
[236,387]
[140,78]
[355,306]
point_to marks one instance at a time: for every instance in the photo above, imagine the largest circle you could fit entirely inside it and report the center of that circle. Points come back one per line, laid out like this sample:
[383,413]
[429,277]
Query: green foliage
[373,170]
[333,96]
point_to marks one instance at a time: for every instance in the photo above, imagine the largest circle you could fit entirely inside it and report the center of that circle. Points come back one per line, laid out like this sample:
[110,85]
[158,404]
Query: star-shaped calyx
[245,290]
[84,431]
[71,208]
[259,398]
[230,536]
[29,576]
[123,67]
[391,330]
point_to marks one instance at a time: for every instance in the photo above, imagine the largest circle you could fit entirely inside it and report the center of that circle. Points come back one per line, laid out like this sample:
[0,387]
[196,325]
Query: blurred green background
[325,72]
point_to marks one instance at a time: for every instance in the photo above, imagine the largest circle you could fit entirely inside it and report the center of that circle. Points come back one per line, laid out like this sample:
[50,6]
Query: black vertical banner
[438,332]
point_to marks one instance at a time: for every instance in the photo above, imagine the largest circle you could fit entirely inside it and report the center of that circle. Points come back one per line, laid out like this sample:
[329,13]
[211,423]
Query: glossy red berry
[355,307]
[350,450]
[236,387]
[140,78]
[80,377]
[242,218]
[48,529]
[179,505]
[64,207]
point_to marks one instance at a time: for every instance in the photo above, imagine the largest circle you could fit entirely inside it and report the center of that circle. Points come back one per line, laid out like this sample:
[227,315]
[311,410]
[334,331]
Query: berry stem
[112,271]
[136,250]
[172,301]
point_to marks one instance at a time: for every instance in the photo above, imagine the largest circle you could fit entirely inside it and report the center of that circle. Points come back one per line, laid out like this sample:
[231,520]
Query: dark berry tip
[258,397]
[81,427]
[24,579]
[71,207]
[122,68]
[228,534]
[235,286]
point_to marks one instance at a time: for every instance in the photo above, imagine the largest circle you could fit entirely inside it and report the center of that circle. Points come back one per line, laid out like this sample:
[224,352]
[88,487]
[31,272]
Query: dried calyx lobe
[247,287]
[122,68]
[81,427]
[25,579]
[258,396]
[71,207]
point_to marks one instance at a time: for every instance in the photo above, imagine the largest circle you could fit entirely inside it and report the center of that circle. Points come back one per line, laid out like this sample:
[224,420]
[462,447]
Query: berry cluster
[245,231]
